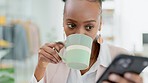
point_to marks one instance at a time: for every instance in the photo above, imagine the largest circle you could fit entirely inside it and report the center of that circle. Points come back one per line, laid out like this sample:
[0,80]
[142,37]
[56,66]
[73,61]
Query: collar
[104,58]
[104,55]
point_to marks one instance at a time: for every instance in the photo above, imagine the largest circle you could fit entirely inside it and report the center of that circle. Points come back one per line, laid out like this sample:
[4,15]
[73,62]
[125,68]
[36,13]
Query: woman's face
[82,17]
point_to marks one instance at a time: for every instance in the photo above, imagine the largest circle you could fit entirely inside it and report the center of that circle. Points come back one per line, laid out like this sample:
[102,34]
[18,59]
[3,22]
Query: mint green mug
[78,51]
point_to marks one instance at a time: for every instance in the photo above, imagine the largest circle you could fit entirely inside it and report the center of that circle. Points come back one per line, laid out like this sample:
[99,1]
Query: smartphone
[124,63]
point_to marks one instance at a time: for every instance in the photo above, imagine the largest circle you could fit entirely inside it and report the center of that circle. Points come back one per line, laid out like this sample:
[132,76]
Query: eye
[89,27]
[71,25]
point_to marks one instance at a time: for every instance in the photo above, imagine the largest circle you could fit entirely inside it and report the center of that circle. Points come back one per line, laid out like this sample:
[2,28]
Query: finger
[133,77]
[50,44]
[105,82]
[117,79]
[51,52]
[58,47]
[49,56]
[45,60]
[57,53]
[60,44]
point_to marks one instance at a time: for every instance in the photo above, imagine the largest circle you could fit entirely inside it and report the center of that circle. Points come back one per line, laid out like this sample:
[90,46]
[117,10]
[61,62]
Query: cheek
[67,31]
[93,33]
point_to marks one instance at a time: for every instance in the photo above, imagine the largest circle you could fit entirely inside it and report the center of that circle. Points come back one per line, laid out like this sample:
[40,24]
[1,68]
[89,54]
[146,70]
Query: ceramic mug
[77,51]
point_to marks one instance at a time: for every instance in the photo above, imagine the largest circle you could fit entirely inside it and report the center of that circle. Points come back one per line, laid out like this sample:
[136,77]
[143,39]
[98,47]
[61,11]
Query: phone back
[125,63]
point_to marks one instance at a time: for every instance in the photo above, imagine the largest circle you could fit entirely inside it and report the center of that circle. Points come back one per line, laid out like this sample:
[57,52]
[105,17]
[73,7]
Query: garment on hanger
[17,35]
[33,37]
[24,37]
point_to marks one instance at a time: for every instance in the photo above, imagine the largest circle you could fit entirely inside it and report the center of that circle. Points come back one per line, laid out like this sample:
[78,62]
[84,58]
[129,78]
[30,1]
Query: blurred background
[25,25]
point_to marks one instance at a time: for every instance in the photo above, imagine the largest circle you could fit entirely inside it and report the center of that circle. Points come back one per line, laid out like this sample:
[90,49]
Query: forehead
[82,9]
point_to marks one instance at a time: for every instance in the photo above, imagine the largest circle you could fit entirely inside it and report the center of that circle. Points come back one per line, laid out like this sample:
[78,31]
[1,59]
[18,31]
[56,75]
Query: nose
[80,30]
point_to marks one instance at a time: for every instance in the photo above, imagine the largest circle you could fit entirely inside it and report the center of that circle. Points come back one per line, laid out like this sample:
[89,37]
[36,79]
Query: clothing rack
[25,39]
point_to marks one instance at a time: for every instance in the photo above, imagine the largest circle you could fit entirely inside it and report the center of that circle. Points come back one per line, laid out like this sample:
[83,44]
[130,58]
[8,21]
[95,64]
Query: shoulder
[115,50]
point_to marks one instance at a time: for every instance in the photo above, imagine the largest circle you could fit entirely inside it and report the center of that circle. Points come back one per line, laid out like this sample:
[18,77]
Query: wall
[133,22]
[48,15]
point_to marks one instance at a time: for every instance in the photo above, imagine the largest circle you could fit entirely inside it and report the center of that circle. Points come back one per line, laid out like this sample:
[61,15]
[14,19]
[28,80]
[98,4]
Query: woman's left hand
[128,78]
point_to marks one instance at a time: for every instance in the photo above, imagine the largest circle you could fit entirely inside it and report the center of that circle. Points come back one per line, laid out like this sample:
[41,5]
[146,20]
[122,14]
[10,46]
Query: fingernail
[112,77]
[127,75]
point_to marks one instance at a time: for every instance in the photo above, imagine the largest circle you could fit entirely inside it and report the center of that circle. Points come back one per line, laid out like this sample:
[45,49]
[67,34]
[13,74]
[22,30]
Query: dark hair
[100,1]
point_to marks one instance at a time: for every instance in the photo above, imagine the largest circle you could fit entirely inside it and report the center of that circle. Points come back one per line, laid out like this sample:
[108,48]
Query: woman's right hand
[48,54]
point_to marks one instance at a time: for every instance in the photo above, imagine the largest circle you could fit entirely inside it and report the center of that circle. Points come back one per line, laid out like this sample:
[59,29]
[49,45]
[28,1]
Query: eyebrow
[71,20]
[90,21]
[83,22]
